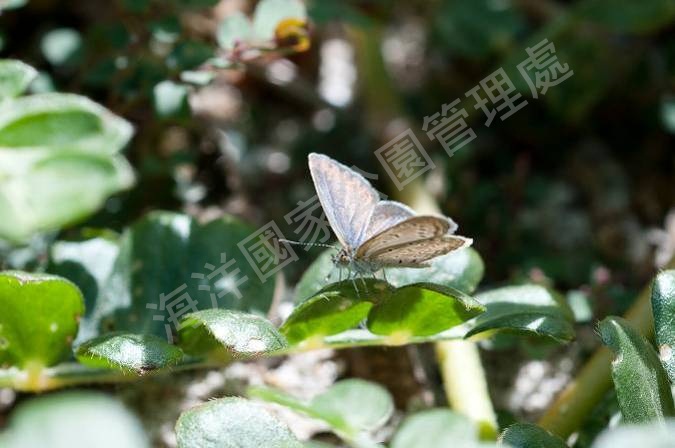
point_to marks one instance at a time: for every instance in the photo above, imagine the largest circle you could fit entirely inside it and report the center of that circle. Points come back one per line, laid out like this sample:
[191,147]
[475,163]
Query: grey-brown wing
[347,198]
[416,254]
[387,214]
[416,228]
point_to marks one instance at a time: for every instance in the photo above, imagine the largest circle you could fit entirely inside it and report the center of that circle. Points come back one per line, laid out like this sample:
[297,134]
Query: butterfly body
[373,233]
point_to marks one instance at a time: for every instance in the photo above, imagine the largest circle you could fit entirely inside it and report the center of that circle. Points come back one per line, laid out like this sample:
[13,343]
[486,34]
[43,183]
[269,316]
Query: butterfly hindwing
[416,228]
[415,254]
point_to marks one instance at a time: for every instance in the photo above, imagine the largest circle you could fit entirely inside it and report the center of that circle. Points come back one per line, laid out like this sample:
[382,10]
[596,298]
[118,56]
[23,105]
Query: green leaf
[170,99]
[631,436]
[73,420]
[157,256]
[402,314]
[663,306]
[58,162]
[352,408]
[62,121]
[640,382]
[354,405]
[39,319]
[15,76]
[422,309]
[626,16]
[233,29]
[268,14]
[332,310]
[462,270]
[57,190]
[237,333]
[436,428]
[232,423]
[529,309]
[61,46]
[89,264]
[138,353]
[526,435]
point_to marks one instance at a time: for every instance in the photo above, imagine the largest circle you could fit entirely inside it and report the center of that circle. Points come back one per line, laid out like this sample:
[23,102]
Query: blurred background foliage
[574,190]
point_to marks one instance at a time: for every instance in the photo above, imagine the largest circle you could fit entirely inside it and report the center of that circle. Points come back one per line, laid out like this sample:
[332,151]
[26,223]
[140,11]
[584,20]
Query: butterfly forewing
[346,197]
[416,228]
[415,254]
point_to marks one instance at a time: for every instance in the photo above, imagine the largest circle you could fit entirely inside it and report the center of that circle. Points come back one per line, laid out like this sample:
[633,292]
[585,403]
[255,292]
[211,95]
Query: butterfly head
[343,258]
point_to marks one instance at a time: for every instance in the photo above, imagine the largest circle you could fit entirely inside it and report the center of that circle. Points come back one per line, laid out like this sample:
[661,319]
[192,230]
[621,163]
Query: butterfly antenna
[298,243]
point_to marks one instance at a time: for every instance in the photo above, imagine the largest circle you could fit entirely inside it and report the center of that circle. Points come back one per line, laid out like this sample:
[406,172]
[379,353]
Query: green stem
[459,361]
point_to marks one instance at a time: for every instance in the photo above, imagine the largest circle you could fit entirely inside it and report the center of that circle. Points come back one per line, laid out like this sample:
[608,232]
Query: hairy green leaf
[527,435]
[138,353]
[640,382]
[232,423]
[235,333]
[663,306]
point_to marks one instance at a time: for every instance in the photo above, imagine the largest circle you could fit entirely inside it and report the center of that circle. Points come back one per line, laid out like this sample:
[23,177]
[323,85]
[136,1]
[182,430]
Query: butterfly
[374,233]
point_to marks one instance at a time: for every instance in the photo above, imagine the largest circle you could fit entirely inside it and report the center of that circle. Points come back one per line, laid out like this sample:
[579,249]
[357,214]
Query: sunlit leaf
[39,318]
[640,382]
[525,309]
[663,306]
[235,333]
[15,76]
[138,353]
[422,309]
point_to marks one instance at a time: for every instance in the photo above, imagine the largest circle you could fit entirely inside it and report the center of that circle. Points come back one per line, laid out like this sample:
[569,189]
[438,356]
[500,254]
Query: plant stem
[579,398]
[459,361]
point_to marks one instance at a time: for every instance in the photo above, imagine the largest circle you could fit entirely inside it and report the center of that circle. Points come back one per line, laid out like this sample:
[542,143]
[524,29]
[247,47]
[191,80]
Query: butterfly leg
[353,279]
[384,275]
[365,285]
